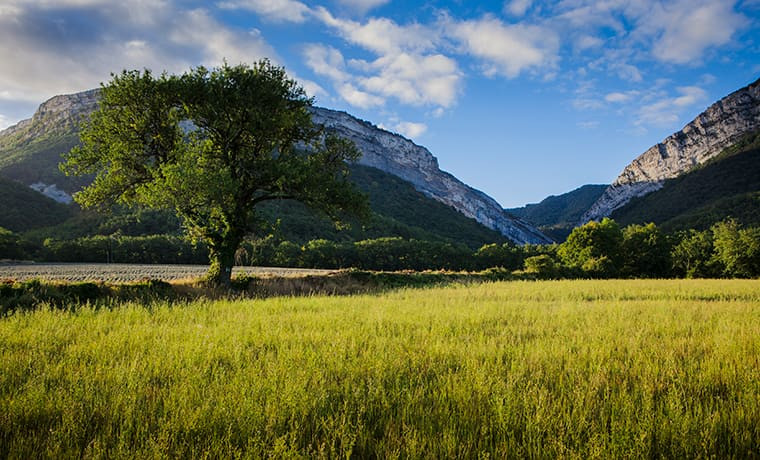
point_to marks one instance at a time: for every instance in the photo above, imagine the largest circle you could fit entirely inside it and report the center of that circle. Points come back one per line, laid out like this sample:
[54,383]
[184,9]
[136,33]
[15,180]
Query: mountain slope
[22,208]
[566,208]
[403,158]
[728,185]
[722,124]
[557,215]
[29,150]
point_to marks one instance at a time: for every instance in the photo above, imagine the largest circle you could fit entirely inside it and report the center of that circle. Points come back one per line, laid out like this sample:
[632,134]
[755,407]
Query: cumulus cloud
[380,35]
[676,31]
[507,49]
[687,29]
[274,10]
[357,97]
[326,61]
[55,47]
[406,67]
[415,79]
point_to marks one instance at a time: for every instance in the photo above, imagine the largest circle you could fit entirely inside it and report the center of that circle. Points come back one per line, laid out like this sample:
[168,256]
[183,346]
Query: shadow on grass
[33,294]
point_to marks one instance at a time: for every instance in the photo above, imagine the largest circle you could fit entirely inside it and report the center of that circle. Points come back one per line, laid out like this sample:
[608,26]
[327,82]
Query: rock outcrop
[722,124]
[58,115]
[381,149]
[401,157]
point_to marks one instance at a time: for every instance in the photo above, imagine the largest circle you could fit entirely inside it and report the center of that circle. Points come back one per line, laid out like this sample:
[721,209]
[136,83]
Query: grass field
[575,369]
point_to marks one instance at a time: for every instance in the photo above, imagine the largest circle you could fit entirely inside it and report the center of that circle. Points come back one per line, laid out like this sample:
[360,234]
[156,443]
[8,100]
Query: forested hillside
[726,186]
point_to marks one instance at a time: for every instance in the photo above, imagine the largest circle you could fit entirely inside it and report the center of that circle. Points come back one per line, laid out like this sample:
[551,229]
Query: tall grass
[579,369]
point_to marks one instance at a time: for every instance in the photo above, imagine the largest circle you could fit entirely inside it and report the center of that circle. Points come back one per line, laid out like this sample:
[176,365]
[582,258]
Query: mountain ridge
[721,124]
[57,120]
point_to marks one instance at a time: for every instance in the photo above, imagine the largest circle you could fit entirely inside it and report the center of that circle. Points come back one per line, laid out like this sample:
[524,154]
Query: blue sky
[519,98]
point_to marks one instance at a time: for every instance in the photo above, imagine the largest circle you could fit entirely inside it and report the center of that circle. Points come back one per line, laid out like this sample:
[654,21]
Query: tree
[646,252]
[594,248]
[692,256]
[737,249]
[212,145]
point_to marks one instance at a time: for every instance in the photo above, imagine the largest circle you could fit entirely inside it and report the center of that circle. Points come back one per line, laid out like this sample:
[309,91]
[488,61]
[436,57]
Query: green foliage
[727,186]
[37,160]
[398,210]
[153,249]
[9,245]
[541,266]
[594,248]
[241,151]
[646,252]
[23,209]
[737,249]
[692,255]
[581,369]
[505,255]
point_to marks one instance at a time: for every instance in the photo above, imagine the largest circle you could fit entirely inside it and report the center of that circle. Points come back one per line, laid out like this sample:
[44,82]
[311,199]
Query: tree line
[595,250]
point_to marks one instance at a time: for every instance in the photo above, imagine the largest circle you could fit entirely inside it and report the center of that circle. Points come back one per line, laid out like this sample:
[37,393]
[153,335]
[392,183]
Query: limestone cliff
[58,115]
[403,158]
[722,124]
[381,149]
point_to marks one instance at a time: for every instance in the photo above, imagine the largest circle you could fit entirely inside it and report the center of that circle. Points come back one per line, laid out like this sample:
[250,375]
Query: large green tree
[594,248]
[212,145]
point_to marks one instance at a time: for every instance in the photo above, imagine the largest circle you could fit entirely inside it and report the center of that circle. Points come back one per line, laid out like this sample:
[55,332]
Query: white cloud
[585,42]
[666,111]
[381,35]
[517,7]
[312,88]
[688,29]
[73,50]
[618,97]
[274,10]
[407,128]
[507,49]
[358,98]
[414,79]
[326,61]
[404,69]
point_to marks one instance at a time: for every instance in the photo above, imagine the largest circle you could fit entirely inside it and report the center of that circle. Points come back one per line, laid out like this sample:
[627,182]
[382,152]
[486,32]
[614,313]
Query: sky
[521,99]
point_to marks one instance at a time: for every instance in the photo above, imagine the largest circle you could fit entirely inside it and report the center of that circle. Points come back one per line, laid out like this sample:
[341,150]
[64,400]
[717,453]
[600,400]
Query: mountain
[403,158]
[556,215]
[22,208]
[30,152]
[715,129]
[727,185]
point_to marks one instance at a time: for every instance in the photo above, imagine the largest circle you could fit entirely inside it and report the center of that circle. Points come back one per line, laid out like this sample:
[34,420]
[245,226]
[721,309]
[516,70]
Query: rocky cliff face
[722,124]
[381,149]
[58,115]
[401,157]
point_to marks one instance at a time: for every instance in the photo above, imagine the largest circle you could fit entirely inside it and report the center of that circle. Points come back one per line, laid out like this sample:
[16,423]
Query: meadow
[572,369]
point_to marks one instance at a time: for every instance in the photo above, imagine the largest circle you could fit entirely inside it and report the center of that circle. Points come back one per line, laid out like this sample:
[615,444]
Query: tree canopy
[212,144]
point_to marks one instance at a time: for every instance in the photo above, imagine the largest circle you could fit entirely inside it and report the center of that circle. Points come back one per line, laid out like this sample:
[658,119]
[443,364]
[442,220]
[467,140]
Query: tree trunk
[222,258]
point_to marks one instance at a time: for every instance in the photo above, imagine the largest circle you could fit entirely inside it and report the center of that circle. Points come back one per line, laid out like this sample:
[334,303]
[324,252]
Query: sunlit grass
[552,369]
